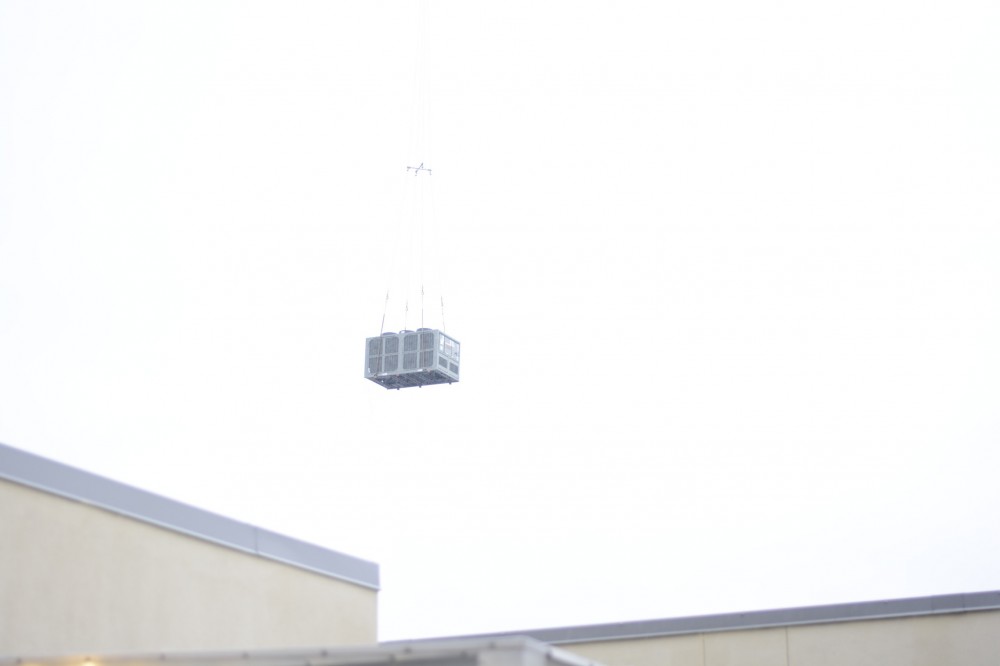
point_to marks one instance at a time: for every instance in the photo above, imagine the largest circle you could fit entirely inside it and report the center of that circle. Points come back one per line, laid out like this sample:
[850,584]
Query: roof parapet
[54,477]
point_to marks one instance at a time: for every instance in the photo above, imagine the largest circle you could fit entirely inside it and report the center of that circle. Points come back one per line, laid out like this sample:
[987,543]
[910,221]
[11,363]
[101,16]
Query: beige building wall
[950,639]
[77,579]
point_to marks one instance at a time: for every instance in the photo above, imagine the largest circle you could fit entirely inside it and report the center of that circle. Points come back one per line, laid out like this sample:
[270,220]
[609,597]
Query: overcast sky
[726,275]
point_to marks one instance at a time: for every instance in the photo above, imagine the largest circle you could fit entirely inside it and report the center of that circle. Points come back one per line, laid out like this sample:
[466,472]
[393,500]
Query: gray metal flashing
[785,617]
[54,477]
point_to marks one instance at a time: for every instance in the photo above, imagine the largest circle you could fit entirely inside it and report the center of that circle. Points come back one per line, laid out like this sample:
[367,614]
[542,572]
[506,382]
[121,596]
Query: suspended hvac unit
[411,358]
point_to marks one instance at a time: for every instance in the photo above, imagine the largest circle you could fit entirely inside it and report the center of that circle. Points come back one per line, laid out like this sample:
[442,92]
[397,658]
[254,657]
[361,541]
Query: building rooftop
[849,612]
[50,476]
[517,651]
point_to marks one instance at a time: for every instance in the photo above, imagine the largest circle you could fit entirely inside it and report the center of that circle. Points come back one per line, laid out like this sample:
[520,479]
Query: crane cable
[417,205]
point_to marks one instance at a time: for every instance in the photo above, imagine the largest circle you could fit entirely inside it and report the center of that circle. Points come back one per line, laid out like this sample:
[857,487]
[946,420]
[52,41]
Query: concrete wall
[77,579]
[952,639]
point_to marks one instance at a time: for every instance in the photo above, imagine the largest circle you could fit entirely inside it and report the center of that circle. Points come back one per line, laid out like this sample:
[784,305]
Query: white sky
[725,273]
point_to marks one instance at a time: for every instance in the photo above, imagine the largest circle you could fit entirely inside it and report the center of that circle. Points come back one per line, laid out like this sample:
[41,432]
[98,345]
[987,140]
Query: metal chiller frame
[412,358]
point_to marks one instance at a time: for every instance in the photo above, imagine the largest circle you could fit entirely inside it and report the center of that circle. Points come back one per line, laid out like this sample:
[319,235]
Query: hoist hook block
[412,358]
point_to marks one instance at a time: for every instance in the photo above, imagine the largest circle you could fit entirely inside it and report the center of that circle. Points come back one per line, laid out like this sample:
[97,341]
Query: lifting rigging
[427,355]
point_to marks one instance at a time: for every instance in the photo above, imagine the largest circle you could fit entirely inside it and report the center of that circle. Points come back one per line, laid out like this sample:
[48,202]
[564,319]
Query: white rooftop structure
[518,651]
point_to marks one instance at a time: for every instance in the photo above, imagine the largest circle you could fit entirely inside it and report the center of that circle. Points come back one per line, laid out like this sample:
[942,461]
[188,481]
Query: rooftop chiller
[412,358]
